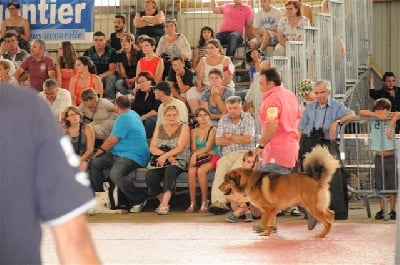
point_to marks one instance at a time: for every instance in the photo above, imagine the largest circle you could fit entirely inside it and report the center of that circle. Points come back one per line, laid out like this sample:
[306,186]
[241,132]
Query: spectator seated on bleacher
[150,62]
[236,17]
[290,27]
[180,78]
[214,59]
[150,21]
[37,75]
[129,58]
[255,58]
[265,25]
[145,103]
[171,143]
[65,65]
[6,67]
[115,37]
[85,78]
[213,98]
[81,134]
[206,34]
[105,59]
[173,44]
[11,51]
[163,92]
[99,112]
[202,139]
[17,25]
[59,99]
[123,151]
[234,134]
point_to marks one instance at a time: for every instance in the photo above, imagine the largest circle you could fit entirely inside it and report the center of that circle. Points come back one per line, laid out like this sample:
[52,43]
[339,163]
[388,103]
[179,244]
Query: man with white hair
[58,98]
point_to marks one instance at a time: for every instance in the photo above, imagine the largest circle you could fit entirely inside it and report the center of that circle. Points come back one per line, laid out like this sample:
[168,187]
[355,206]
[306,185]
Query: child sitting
[239,202]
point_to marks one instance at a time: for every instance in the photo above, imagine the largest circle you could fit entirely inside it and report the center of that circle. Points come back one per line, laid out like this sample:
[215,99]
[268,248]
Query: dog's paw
[320,235]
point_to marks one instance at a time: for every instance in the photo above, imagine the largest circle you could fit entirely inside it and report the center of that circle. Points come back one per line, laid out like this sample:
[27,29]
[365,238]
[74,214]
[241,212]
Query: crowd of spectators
[149,89]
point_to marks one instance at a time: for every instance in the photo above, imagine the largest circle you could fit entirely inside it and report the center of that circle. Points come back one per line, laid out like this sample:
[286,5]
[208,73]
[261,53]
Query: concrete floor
[181,238]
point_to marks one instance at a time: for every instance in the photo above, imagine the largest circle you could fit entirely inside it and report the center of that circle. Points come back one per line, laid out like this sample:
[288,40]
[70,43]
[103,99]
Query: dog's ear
[236,178]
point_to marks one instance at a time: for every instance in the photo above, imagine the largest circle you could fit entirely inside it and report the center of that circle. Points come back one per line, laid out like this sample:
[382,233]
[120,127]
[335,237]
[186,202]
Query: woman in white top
[173,44]
[6,66]
[290,27]
[215,59]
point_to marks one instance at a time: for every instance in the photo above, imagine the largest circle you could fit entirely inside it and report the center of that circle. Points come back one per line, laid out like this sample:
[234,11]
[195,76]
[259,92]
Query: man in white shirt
[265,25]
[162,92]
[58,98]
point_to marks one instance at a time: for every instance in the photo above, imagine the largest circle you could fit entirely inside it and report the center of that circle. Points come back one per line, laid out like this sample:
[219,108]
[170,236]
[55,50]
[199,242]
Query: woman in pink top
[150,62]
[65,66]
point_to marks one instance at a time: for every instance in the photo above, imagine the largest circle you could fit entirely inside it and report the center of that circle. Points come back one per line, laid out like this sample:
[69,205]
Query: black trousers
[338,185]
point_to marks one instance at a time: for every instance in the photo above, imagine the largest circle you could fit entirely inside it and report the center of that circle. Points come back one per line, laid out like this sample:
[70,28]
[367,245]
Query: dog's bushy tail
[321,164]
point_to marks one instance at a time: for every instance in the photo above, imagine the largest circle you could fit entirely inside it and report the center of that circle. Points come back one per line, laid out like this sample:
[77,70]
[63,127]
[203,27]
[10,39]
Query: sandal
[190,209]
[204,206]
[163,210]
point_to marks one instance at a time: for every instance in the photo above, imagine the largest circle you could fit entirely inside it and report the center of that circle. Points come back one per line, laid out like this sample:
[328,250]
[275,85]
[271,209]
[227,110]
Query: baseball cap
[163,86]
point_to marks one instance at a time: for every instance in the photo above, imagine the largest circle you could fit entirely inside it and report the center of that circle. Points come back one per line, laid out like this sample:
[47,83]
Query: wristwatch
[260,146]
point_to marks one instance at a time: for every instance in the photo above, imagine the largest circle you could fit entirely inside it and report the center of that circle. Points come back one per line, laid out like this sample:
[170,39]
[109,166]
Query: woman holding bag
[205,154]
[175,136]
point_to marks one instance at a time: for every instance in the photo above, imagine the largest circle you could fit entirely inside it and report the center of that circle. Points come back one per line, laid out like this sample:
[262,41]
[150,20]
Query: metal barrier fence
[356,154]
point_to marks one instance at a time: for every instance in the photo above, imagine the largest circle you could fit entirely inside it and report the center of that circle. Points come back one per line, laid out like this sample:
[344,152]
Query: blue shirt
[379,141]
[132,142]
[315,116]
[205,96]
[102,62]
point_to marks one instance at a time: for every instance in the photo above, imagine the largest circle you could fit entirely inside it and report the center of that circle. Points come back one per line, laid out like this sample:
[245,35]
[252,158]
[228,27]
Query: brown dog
[272,192]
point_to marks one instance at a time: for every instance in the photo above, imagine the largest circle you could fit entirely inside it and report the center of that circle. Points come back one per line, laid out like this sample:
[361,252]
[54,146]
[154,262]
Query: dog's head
[102,199]
[235,180]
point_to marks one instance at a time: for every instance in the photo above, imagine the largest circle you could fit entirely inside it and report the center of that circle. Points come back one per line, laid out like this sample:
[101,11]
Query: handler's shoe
[312,222]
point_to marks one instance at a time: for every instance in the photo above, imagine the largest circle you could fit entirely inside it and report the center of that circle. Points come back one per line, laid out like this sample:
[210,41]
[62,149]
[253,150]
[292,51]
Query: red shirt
[280,104]
[38,71]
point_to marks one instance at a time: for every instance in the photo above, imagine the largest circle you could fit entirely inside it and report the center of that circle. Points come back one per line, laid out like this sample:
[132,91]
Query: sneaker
[295,211]
[138,207]
[280,213]
[231,218]
[218,208]
[248,218]
[312,222]
[392,215]
[379,215]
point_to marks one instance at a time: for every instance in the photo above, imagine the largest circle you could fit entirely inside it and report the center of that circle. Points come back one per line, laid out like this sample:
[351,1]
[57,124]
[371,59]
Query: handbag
[202,159]
[153,158]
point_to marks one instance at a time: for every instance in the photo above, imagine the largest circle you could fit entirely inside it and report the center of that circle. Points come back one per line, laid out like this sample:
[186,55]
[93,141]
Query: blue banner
[56,19]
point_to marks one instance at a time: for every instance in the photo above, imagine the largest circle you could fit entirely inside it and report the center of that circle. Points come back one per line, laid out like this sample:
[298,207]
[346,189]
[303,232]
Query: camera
[317,133]
[165,56]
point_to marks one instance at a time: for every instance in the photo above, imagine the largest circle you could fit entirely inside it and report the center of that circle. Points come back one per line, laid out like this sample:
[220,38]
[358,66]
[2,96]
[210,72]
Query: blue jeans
[150,125]
[120,168]
[270,167]
[121,86]
[109,86]
[232,39]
